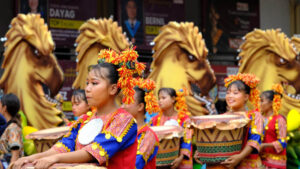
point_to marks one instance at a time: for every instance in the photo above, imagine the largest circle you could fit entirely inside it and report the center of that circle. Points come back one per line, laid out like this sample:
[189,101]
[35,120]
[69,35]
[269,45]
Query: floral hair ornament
[180,104]
[250,80]
[148,86]
[278,90]
[128,66]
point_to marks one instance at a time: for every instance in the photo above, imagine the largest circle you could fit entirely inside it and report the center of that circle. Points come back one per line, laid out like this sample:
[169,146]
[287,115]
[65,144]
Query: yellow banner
[67,106]
[152,30]
[65,23]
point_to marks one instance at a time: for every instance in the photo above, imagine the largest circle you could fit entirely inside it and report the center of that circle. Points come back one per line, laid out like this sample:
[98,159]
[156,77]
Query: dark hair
[131,1]
[269,94]
[221,106]
[12,104]
[79,94]
[140,96]
[171,92]
[113,74]
[240,85]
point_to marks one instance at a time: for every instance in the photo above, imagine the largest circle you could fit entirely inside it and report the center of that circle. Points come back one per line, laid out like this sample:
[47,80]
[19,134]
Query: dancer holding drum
[240,89]
[109,135]
[274,141]
[144,100]
[229,140]
[173,113]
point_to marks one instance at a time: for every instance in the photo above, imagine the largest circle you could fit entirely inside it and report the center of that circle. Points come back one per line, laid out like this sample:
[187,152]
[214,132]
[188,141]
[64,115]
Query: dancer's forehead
[238,85]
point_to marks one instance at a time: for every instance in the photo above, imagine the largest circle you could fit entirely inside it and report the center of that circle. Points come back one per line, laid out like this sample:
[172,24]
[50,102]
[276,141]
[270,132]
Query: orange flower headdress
[148,86]
[180,104]
[278,91]
[127,61]
[251,81]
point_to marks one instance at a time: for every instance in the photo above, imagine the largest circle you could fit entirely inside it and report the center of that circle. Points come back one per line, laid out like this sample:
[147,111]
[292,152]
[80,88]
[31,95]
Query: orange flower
[180,104]
[278,89]
[127,61]
[148,86]
[249,79]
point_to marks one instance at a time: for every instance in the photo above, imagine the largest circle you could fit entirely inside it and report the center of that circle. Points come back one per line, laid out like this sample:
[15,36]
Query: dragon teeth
[294,96]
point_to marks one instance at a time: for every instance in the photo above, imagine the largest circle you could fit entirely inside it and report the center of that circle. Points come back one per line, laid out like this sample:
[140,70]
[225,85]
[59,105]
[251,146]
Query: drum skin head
[88,132]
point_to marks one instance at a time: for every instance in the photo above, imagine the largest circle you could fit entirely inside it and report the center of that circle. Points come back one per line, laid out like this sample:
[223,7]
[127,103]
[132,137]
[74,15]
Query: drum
[218,136]
[45,139]
[169,144]
[69,166]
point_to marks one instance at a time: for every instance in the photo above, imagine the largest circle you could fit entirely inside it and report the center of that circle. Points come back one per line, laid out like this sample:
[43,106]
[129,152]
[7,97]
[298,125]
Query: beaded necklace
[276,127]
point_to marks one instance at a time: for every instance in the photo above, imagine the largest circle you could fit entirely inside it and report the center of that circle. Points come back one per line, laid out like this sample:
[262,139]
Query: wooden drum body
[45,139]
[169,144]
[219,136]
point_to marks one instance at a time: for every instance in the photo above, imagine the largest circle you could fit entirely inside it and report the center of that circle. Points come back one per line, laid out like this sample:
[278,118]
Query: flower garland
[278,90]
[276,104]
[148,86]
[251,81]
[127,61]
[180,104]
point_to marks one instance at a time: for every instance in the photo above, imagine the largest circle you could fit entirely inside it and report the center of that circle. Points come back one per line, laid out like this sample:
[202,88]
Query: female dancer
[174,112]
[144,101]
[274,141]
[240,89]
[79,103]
[109,135]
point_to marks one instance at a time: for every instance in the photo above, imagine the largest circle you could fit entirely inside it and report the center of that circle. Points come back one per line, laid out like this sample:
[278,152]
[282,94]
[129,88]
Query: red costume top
[115,146]
[147,148]
[275,133]
[185,142]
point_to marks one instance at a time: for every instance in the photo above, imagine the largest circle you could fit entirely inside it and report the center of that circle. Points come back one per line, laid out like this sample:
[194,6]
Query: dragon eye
[191,58]
[282,61]
[36,52]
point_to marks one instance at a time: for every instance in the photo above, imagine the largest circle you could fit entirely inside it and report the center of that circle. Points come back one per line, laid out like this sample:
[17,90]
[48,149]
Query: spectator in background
[2,124]
[2,119]
[11,144]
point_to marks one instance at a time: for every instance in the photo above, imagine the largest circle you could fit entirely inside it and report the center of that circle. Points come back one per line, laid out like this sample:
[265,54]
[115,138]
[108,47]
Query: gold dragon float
[94,36]
[271,56]
[28,63]
[180,59]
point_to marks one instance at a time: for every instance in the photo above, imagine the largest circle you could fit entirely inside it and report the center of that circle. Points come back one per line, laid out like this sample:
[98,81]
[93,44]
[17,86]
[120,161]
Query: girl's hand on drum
[45,162]
[22,161]
[196,157]
[175,164]
[232,161]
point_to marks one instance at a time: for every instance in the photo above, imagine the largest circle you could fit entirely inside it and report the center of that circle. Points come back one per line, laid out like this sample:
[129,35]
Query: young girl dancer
[240,89]
[274,141]
[109,135]
[144,101]
[174,112]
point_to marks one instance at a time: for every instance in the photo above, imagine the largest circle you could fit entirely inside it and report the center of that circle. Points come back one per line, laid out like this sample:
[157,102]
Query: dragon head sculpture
[180,59]
[271,56]
[94,36]
[28,63]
